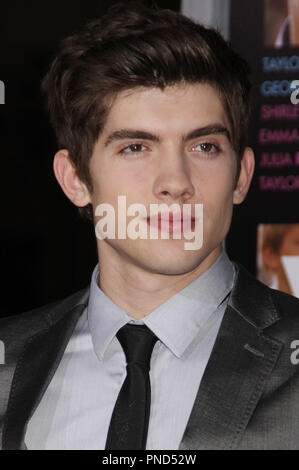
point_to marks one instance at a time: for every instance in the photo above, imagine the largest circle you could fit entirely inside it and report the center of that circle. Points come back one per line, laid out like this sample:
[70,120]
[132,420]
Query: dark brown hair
[131,46]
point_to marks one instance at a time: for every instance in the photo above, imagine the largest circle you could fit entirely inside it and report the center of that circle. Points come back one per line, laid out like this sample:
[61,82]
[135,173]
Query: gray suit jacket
[249,394]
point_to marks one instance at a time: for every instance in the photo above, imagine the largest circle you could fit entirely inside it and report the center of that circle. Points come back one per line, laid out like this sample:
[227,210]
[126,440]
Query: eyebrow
[208,130]
[122,134]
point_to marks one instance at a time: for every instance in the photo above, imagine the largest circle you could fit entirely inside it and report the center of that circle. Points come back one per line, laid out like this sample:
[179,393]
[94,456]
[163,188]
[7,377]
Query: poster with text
[266,33]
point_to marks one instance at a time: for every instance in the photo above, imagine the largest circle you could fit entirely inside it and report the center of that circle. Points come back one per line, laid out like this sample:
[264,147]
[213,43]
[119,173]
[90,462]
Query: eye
[132,149]
[206,147]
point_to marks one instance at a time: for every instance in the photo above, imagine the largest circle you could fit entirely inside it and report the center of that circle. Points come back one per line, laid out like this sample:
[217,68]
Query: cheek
[216,189]
[217,197]
[129,182]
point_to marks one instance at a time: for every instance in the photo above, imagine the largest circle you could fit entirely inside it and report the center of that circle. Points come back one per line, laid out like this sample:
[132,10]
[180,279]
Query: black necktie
[130,417]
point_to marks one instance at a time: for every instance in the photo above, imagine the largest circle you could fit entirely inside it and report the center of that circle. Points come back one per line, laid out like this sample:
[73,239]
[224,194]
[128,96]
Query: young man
[170,348]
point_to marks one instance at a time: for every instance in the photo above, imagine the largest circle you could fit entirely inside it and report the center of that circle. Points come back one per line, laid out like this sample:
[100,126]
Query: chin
[173,263]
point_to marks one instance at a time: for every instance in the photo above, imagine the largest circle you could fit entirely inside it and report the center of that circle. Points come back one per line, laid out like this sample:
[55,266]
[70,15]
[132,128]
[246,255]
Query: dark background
[247,35]
[47,251]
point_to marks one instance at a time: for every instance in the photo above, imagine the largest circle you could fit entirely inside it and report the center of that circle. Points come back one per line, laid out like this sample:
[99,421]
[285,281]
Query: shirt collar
[176,322]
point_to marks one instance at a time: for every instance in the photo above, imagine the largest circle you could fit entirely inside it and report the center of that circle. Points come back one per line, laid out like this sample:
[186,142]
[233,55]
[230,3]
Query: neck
[138,292]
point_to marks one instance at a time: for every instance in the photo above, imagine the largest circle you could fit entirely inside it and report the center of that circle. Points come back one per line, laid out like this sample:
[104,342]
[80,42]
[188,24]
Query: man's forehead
[182,91]
[174,104]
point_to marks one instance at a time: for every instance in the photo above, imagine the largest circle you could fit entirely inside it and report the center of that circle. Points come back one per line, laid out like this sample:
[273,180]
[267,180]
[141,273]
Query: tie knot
[137,342]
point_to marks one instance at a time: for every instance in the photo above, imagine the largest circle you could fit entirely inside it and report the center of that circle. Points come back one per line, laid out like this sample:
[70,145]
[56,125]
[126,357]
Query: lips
[176,222]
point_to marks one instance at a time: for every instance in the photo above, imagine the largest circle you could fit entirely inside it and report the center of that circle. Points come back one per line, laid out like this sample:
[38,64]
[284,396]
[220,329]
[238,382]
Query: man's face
[168,146]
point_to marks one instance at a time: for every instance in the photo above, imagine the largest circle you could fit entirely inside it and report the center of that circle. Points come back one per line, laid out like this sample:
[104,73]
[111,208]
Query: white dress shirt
[75,411]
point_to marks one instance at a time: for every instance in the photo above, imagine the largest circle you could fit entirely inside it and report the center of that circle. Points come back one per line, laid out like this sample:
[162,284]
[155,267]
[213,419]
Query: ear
[68,179]
[245,176]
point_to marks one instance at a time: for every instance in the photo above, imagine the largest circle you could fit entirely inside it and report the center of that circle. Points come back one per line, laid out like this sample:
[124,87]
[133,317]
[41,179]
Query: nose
[173,182]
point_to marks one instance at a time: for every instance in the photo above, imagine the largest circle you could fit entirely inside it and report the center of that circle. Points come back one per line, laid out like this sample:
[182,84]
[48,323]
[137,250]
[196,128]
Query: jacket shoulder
[44,316]
[268,306]
[288,308]
[287,304]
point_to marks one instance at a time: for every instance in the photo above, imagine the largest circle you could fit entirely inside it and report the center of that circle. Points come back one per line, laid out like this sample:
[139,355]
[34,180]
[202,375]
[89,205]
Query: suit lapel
[38,360]
[241,360]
